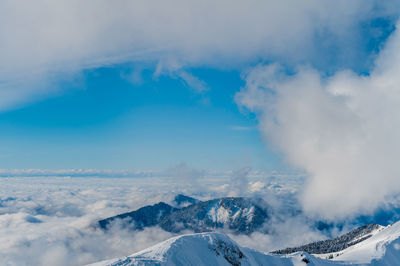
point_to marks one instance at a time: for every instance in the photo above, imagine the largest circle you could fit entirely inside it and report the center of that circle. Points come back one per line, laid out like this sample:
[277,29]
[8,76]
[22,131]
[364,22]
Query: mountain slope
[141,218]
[368,245]
[382,248]
[207,249]
[181,200]
[337,244]
[236,214]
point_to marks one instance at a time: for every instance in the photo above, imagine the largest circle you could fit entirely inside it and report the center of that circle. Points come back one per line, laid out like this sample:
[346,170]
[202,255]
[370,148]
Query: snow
[373,248]
[208,249]
[382,248]
[219,214]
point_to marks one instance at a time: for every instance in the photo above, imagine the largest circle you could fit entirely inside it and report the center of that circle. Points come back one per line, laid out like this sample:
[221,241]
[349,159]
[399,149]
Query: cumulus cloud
[343,129]
[44,40]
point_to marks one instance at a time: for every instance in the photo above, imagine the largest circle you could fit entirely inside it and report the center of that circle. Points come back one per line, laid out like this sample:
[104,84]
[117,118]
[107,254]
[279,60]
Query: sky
[308,87]
[296,102]
[105,121]
[123,107]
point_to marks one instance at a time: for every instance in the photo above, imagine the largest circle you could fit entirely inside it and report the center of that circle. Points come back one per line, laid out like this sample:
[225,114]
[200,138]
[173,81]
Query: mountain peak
[182,200]
[203,249]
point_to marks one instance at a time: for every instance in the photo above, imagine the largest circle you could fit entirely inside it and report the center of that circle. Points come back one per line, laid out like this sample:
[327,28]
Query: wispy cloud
[69,36]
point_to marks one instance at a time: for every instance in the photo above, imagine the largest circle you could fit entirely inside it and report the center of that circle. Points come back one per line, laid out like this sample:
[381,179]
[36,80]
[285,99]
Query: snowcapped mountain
[240,215]
[382,247]
[205,249]
[236,214]
[367,245]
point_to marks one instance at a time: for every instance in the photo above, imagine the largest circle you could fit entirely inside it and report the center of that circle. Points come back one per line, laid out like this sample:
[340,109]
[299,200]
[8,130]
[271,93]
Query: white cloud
[343,130]
[44,40]
[49,220]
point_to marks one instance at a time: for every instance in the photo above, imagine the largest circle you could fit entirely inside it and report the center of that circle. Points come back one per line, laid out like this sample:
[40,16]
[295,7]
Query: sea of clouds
[52,220]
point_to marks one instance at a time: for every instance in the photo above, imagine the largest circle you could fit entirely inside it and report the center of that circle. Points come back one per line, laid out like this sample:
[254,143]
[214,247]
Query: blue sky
[105,121]
[145,88]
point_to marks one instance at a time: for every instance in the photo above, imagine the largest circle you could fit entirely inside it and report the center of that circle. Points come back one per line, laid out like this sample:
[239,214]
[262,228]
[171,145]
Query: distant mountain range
[236,214]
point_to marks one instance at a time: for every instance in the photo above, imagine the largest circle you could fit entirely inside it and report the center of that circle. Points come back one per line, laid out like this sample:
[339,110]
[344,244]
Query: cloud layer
[49,220]
[343,129]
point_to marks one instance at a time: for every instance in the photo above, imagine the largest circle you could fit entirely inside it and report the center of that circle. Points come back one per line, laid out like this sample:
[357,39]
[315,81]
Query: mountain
[337,244]
[367,245]
[379,249]
[233,213]
[382,248]
[236,214]
[205,249]
[141,218]
[181,200]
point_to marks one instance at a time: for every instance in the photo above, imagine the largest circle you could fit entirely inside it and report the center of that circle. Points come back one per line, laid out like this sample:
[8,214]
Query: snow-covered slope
[382,248]
[379,245]
[208,249]
[329,248]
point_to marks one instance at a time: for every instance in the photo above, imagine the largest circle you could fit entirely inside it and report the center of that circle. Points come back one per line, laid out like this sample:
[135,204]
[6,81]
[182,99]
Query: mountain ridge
[383,248]
[236,214]
[337,244]
[204,249]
